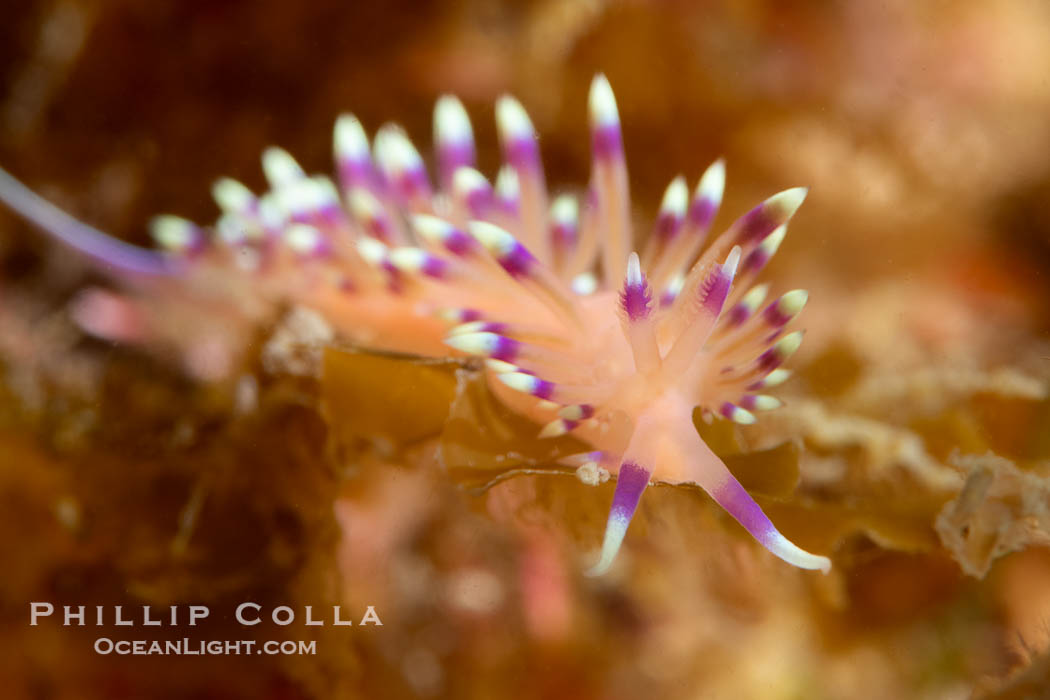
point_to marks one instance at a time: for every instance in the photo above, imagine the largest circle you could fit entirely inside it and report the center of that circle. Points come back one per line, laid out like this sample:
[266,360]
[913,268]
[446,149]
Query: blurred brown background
[923,132]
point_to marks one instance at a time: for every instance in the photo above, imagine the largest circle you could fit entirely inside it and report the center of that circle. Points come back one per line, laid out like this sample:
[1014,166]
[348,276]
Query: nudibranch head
[581,332]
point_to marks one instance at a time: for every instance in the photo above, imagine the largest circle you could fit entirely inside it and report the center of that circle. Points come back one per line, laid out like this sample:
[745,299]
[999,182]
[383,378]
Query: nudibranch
[578,331]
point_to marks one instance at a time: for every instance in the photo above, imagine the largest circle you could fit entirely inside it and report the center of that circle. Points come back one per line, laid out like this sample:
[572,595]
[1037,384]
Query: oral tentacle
[630,483]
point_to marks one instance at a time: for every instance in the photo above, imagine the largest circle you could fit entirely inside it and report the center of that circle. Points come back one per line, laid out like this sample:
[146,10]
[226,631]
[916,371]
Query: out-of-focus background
[920,413]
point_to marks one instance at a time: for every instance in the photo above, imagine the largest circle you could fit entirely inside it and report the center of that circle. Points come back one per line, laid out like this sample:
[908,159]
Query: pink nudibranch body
[498,271]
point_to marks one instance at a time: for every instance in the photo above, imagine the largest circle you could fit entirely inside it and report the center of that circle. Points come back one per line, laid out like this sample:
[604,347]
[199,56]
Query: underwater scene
[583,349]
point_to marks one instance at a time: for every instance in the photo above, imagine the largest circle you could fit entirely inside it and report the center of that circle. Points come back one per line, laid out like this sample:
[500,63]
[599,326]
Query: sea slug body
[580,333]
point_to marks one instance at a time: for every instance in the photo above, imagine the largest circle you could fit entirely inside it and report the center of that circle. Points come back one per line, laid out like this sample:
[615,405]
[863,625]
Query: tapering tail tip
[796,556]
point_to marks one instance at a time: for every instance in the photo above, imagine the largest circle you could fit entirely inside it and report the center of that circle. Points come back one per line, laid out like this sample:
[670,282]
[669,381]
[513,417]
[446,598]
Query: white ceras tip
[469,327]
[474,343]
[792,302]
[467,180]
[713,182]
[408,258]
[493,238]
[776,377]
[303,239]
[789,343]
[755,296]
[394,151]
[364,206]
[584,284]
[232,196]
[501,367]
[764,402]
[783,205]
[565,209]
[280,167]
[372,251]
[731,263]
[771,243]
[556,428]
[507,186]
[350,140]
[432,229]
[634,270]
[451,123]
[742,416]
[512,120]
[173,233]
[676,197]
[601,103]
[519,381]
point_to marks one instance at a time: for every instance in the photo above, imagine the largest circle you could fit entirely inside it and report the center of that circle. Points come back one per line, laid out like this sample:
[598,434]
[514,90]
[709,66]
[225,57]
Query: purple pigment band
[506,349]
[636,300]
[606,142]
[518,262]
[459,243]
[479,201]
[413,183]
[434,267]
[453,156]
[755,261]
[769,360]
[755,225]
[564,236]
[667,226]
[717,291]
[702,211]
[738,314]
[357,172]
[774,316]
[630,483]
[522,153]
[738,503]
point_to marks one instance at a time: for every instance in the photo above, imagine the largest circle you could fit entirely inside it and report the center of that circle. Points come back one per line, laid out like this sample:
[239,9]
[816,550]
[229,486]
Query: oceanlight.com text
[199,647]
